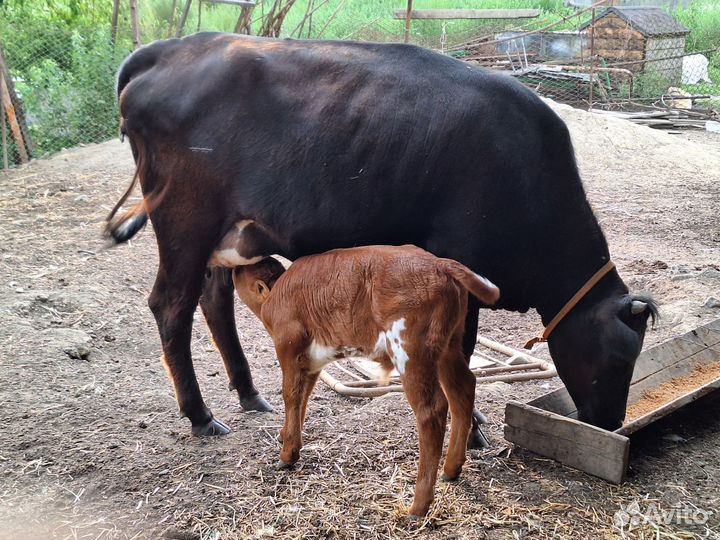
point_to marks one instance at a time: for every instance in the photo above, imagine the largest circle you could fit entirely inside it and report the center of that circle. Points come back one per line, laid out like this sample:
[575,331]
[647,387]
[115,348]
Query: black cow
[247,147]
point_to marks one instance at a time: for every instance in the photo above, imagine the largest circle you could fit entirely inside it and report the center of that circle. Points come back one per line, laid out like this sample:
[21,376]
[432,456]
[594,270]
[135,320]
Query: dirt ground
[92,446]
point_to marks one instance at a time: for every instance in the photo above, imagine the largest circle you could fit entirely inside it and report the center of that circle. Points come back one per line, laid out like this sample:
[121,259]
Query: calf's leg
[458,384]
[430,407]
[307,387]
[217,303]
[294,388]
[290,345]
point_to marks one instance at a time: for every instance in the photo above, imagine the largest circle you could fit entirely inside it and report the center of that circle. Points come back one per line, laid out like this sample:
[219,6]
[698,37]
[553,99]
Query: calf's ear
[261,289]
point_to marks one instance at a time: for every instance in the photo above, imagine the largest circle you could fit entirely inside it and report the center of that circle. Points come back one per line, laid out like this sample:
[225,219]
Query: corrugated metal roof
[650,21]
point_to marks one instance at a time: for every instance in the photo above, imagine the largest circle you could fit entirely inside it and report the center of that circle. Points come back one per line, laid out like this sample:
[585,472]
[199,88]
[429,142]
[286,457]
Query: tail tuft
[125,228]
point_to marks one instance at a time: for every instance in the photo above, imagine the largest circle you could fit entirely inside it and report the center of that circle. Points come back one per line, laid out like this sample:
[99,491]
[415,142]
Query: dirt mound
[610,142]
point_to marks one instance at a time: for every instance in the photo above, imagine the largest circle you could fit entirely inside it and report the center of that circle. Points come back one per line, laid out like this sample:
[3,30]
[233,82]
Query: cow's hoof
[479,418]
[477,440]
[213,427]
[256,403]
[283,465]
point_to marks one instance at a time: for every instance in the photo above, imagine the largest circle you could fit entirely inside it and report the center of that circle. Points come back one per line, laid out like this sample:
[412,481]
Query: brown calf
[400,306]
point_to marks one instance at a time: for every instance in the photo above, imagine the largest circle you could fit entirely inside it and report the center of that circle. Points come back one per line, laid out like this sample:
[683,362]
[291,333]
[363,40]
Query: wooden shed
[629,34]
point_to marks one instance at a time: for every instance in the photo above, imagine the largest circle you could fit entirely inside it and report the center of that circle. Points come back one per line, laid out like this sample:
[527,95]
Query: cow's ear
[261,289]
[637,309]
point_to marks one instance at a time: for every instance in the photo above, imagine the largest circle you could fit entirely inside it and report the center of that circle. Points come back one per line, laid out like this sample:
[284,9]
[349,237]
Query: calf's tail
[481,288]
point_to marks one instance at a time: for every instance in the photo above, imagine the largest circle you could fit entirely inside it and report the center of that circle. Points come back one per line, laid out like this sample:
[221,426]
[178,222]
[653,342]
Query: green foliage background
[64,64]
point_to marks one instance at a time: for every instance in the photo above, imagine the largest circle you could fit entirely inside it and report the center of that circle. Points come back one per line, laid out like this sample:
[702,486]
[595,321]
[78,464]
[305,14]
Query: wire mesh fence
[57,83]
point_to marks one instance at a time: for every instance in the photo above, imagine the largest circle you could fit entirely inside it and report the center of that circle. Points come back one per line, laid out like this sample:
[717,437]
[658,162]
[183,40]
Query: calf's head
[595,348]
[254,282]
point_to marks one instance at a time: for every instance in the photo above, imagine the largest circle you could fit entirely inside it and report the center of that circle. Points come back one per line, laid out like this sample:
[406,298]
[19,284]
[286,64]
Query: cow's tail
[121,229]
[481,288]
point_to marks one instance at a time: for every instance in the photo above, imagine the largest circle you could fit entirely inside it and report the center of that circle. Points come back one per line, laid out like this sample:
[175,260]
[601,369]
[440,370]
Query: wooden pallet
[548,425]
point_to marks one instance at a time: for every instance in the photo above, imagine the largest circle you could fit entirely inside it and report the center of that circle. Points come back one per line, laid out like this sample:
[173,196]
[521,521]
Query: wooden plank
[239,3]
[609,43]
[435,14]
[619,33]
[582,446]
[558,402]
[3,128]
[12,120]
[620,54]
[676,350]
[17,104]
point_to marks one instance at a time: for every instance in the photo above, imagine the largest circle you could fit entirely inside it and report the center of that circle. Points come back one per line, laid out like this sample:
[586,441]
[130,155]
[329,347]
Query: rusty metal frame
[520,366]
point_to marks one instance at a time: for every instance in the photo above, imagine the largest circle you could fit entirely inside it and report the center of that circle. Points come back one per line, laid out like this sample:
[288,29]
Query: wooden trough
[667,377]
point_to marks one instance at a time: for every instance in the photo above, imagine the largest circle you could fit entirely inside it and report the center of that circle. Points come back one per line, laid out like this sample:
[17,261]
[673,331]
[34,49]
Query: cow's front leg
[218,306]
[173,301]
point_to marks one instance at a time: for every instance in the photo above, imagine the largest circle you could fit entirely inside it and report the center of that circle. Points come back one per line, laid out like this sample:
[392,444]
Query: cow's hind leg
[217,303]
[173,302]
[477,439]
[184,248]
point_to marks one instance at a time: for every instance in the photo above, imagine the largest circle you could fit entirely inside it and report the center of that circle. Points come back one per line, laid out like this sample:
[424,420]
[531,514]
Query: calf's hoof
[284,465]
[255,403]
[445,477]
[213,427]
[418,511]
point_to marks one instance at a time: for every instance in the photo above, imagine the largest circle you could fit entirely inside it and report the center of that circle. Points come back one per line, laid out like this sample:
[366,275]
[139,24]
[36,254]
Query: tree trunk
[134,20]
[114,21]
[408,15]
[171,24]
[183,19]
[244,22]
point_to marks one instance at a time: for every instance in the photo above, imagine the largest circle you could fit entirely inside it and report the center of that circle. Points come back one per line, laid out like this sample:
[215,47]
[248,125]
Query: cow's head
[595,349]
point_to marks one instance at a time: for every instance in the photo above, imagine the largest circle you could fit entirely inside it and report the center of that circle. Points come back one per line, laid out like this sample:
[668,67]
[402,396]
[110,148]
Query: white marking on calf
[485,281]
[320,356]
[392,343]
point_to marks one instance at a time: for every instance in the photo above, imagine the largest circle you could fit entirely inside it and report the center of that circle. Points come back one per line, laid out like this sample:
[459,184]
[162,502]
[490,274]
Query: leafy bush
[73,101]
